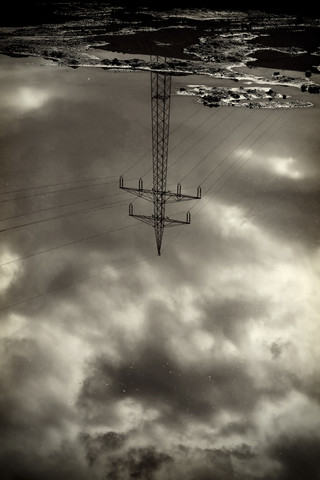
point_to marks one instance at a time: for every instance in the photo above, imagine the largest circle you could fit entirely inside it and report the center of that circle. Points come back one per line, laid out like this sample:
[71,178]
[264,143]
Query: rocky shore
[205,42]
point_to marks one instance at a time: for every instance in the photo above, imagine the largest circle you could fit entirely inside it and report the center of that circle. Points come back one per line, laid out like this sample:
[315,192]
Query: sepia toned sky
[116,363]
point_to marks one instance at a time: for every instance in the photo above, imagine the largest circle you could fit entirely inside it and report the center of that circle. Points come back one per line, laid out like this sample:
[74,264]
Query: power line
[235,161]
[57,184]
[226,171]
[192,146]
[56,191]
[71,283]
[98,207]
[150,150]
[199,125]
[94,178]
[58,206]
[89,179]
[64,245]
[210,152]
[188,118]
[230,153]
[199,140]
[75,282]
[104,272]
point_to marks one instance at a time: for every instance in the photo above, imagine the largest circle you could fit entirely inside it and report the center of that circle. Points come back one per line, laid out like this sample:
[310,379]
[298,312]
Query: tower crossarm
[173,197]
[167,222]
[160,221]
[171,222]
[145,193]
[166,197]
[149,219]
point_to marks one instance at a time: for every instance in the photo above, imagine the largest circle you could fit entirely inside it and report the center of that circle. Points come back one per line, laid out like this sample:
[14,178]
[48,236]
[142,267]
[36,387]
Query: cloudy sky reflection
[203,363]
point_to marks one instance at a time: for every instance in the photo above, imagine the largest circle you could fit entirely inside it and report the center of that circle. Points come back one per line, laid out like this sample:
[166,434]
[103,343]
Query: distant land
[35,12]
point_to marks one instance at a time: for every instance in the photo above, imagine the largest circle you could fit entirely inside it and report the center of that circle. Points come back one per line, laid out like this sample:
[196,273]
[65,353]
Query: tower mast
[159,195]
[160,109]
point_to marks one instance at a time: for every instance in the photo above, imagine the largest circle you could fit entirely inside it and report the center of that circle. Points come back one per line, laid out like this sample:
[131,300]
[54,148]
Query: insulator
[199,192]
[140,184]
[121,182]
[188,217]
[130,209]
[178,189]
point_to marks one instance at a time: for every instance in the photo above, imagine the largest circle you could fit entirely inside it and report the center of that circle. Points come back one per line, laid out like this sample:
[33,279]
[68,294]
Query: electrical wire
[59,206]
[104,272]
[89,209]
[56,184]
[228,179]
[186,120]
[236,161]
[211,151]
[75,282]
[42,194]
[195,128]
[235,148]
[68,244]
[199,140]
[230,153]
[187,136]
[150,150]
[192,146]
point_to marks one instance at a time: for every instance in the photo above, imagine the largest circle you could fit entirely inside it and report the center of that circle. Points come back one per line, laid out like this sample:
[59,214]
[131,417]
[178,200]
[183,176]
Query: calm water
[200,363]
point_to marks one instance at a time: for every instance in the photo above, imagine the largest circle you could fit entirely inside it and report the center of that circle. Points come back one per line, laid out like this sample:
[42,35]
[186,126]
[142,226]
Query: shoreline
[254,48]
[248,93]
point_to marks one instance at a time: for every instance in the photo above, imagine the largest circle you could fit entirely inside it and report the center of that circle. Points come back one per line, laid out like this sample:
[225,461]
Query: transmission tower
[158,194]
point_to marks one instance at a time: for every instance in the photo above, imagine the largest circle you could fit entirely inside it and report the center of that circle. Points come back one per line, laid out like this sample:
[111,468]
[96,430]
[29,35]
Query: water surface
[200,363]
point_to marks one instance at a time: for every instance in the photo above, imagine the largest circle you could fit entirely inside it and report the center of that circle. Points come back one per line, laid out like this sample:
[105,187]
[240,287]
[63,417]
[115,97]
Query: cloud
[296,457]
[167,359]
[26,99]
[199,364]
[276,348]
[289,168]
[286,167]
[109,453]
[17,102]
[8,272]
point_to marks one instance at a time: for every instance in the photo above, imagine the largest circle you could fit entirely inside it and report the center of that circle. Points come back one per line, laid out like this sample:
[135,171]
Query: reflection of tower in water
[158,194]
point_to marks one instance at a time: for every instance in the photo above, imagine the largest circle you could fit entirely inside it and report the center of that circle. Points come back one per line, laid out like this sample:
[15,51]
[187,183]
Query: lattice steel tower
[159,195]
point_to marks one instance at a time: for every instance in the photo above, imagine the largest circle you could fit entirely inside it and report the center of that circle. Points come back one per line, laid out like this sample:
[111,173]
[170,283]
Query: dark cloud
[284,213]
[276,349]
[141,463]
[148,463]
[102,444]
[276,186]
[229,318]
[152,375]
[25,407]
[239,428]
[297,457]
[32,411]
[31,463]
